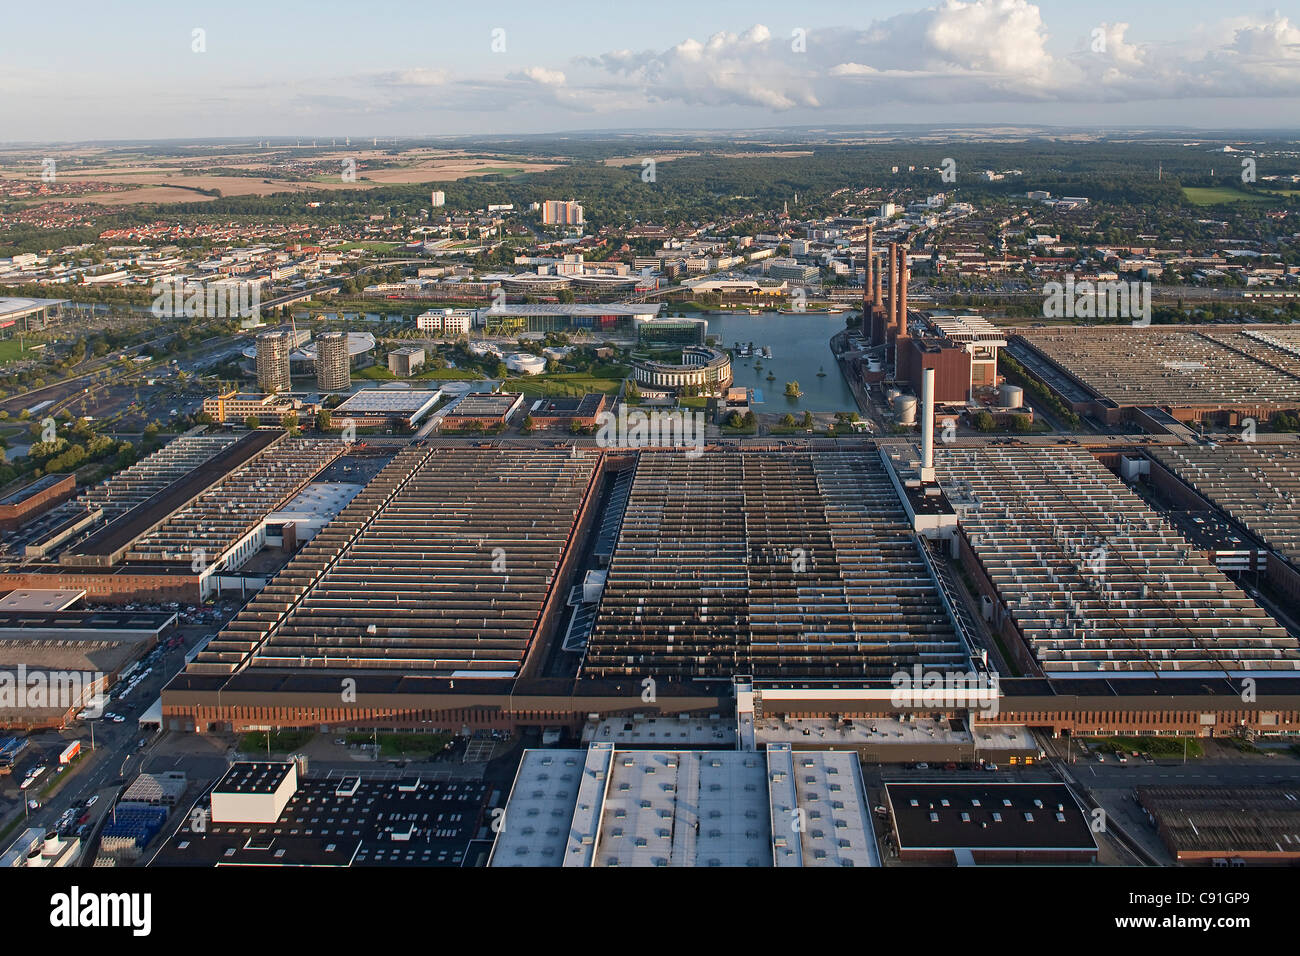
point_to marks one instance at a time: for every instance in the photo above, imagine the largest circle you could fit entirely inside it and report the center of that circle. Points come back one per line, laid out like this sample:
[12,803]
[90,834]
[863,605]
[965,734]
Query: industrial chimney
[892,311]
[876,294]
[871,265]
[927,425]
[902,291]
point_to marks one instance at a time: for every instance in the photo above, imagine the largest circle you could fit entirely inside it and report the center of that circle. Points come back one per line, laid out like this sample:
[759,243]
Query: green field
[602,378]
[1155,746]
[378,373]
[1216,195]
[367,246]
[10,350]
[282,741]
[403,745]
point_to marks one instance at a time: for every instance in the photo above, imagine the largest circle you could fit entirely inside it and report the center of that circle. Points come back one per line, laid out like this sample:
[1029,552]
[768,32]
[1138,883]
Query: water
[801,347]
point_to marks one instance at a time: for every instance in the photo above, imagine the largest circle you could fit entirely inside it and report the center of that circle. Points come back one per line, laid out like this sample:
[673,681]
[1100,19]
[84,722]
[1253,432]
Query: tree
[528,424]
[324,420]
[983,421]
[792,390]
[807,420]
[252,421]
[788,420]
[734,420]
[290,422]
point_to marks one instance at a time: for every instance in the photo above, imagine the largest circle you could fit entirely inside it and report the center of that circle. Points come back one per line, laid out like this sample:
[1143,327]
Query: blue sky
[84,71]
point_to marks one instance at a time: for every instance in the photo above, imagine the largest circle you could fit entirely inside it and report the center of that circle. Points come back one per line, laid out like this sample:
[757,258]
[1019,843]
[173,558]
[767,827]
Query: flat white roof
[392,401]
[41,599]
[610,807]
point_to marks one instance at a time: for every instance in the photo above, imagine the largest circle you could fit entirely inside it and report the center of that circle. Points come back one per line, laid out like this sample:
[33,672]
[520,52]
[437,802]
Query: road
[115,759]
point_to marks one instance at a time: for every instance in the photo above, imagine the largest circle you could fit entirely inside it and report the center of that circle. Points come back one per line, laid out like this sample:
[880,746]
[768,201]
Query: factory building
[970,823]
[610,807]
[34,498]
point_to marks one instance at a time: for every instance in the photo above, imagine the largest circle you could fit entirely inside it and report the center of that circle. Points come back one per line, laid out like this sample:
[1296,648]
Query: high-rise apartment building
[273,361]
[332,368]
[557,212]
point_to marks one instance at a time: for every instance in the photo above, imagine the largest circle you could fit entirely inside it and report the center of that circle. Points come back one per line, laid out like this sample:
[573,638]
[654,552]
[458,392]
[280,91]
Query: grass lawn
[562,383]
[1155,746]
[368,246]
[10,350]
[282,741]
[1214,195]
[692,401]
[403,745]
[451,374]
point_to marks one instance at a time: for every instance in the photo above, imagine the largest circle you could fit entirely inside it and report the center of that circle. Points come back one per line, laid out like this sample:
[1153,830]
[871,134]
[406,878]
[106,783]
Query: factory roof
[388,401]
[1095,580]
[804,567]
[1257,485]
[1001,815]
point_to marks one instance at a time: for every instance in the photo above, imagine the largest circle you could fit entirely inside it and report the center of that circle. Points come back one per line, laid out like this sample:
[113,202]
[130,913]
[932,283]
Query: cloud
[419,76]
[539,74]
[959,51]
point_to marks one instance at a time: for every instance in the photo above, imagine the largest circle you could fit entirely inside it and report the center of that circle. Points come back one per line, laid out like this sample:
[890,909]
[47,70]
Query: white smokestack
[927,424]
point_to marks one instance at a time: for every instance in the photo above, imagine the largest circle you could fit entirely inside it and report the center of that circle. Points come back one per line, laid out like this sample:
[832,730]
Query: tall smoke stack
[871,265]
[892,311]
[927,425]
[876,294]
[902,291]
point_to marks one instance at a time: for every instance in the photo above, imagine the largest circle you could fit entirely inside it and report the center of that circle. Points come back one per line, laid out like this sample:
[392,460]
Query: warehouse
[482,410]
[1195,372]
[1257,485]
[171,526]
[988,823]
[266,814]
[1204,824]
[386,407]
[427,572]
[802,567]
[1082,578]
[34,498]
[604,807]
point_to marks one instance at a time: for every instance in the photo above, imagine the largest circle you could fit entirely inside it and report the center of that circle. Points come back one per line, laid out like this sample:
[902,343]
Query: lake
[801,347]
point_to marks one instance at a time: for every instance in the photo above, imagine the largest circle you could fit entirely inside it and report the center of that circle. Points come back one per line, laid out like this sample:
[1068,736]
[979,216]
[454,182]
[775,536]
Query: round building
[704,368]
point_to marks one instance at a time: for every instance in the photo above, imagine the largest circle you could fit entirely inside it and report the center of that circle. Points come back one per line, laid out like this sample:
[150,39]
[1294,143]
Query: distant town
[901,497]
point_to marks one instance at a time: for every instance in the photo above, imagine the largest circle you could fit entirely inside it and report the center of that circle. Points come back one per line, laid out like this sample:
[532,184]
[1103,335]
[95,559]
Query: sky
[161,69]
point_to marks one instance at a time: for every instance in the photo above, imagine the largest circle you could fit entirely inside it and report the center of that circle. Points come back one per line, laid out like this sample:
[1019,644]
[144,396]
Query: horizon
[516,70]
